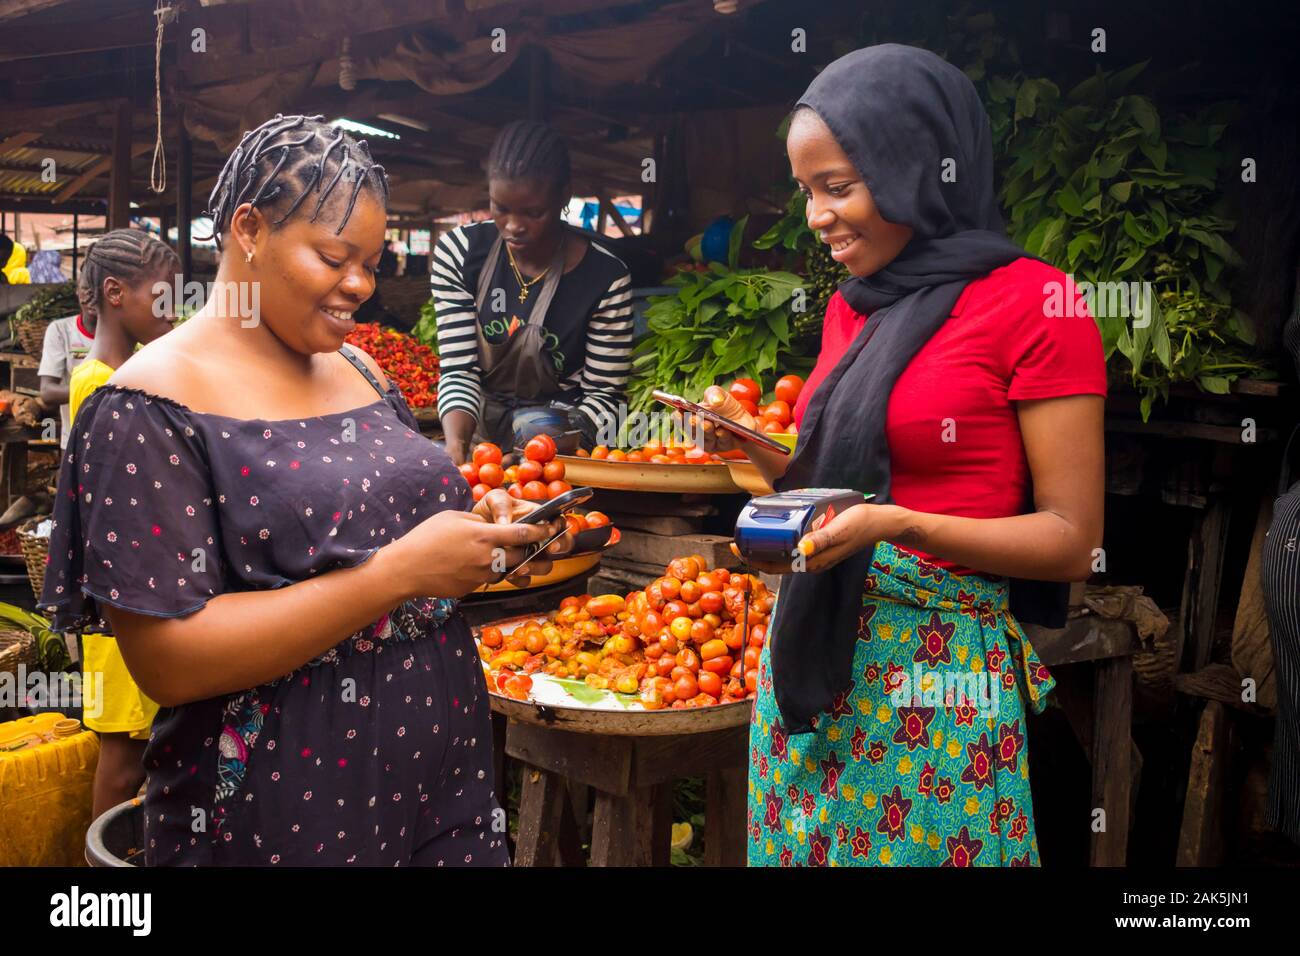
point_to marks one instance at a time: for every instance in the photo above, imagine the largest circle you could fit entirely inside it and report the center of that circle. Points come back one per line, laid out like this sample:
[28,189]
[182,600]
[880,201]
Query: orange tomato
[553,471]
[671,587]
[491,474]
[757,635]
[534,642]
[533,491]
[697,456]
[788,388]
[674,610]
[685,687]
[713,648]
[710,683]
[491,636]
[618,454]
[752,654]
[605,605]
[470,471]
[573,524]
[635,456]
[516,491]
[688,658]
[751,680]
[511,474]
[600,452]
[681,628]
[479,491]
[701,632]
[652,448]
[751,407]
[660,460]
[712,602]
[485,453]
[583,453]
[719,665]
[597,519]
[651,624]
[778,411]
[691,591]
[771,426]
[557,488]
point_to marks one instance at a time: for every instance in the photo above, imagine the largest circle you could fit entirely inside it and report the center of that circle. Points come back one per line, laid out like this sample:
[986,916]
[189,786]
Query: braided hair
[526,149]
[278,165]
[128,255]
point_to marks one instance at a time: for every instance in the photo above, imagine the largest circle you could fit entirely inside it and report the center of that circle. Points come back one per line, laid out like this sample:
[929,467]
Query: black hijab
[915,129]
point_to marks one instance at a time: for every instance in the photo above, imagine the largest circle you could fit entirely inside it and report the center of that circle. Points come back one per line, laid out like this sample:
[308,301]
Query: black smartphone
[719,421]
[549,512]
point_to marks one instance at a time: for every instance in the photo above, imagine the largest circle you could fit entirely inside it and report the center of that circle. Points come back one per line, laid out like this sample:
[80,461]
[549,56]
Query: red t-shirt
[954,439]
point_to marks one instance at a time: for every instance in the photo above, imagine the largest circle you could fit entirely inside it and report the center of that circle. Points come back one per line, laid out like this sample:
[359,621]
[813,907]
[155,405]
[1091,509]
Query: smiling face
[311,279]
[840,208]
[527,213]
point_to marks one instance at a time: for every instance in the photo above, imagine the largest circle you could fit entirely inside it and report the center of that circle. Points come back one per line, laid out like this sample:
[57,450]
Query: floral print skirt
[921,760]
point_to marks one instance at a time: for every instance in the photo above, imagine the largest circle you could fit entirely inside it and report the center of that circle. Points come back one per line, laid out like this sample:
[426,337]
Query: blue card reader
[770,528]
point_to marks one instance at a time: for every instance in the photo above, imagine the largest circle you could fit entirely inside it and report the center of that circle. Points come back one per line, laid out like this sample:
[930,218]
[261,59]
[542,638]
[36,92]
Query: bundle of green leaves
[723,323]
[1095,183]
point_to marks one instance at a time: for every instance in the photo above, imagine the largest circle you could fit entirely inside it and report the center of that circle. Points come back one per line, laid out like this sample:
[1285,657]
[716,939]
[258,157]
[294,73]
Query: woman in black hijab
[889,722]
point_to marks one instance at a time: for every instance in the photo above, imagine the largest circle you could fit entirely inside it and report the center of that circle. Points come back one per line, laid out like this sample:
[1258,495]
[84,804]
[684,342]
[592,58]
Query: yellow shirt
[86,377]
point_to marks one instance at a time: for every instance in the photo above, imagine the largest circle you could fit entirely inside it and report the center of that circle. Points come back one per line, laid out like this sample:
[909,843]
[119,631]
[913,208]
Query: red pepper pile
[411,364]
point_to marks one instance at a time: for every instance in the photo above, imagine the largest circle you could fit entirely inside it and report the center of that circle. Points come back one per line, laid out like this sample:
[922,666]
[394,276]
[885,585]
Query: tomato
[605,605]
[528,471]
[664,666]
[600,452]
[718,665]
[635,456]
[712,602]
[573,601]
[710,684]
[654,596]
[491,475]
[479,491]
[534,642]
[788,387]
[707,580]
[518,686]
[652,448]
[660,460]
[688,658]
[671,587]
[770,426]
[470,471]
[701,632]
[681,628]
[511,474]
[617,454]
[615,537]
[583,453]
[752,654]
[698,456]
[757,635]
[651,624]
[685,687]
[668,642]
[516,491]
[533,491]
[573,524]
[778,411]
[751,680]
[675,609]
[597,519]
[691,592]
[745,389]
[733,638]
[557,488]
[749,406]
[553,471]
[712,648]
[540,448]
[491,636]
[485,453]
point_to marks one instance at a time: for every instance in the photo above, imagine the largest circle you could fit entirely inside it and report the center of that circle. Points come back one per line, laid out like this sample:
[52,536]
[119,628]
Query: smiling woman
[280,561]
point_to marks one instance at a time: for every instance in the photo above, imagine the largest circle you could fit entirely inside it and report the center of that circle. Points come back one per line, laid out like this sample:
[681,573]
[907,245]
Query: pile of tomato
[776,417]
[691,638]
[539,477]
[656,453]
[409,363]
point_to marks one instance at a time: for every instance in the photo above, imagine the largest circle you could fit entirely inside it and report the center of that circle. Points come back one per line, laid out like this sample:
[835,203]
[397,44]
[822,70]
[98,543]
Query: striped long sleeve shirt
[589,324]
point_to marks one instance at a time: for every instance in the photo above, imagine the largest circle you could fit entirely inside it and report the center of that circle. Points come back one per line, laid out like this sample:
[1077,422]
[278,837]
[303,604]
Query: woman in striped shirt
[526,275]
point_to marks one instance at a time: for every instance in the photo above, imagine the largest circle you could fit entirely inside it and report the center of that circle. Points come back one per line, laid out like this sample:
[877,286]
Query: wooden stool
[630,760]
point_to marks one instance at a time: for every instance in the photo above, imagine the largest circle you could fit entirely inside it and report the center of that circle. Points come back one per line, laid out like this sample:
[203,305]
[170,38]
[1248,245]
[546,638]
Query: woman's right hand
[452,553]
[710,437]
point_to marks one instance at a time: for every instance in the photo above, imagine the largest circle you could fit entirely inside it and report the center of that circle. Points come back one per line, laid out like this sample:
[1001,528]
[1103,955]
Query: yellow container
[45,794]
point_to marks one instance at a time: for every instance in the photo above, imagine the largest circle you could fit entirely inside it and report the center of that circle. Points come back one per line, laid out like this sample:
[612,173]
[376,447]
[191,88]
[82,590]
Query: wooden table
[630,760]
[1101,716]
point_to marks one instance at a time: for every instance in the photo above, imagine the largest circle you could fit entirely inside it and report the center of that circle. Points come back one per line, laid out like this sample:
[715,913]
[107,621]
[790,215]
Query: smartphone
[549,512]
[708,414]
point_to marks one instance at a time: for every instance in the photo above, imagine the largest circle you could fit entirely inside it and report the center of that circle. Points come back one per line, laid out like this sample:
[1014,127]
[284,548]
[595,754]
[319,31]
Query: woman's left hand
[855,529]
[500,508]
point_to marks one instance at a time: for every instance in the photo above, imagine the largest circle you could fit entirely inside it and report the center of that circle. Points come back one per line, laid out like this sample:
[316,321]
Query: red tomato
[636,456]
[757,635]
[671,587]
[615,537]
[515,491]
[574,523]
[487,452]
[470,471]
[480,490]
[710,683]
[557,488]
[553,471]
[778,411]
[533,491]
[528,471]
[597,519]
[545,446]
[718,665]
[702,633]
[686,687]
[690,592]
[698,456]
[745,389]
[600,452]
[788,388]
[751,407]
[772,427]
[711,602]
[491,474]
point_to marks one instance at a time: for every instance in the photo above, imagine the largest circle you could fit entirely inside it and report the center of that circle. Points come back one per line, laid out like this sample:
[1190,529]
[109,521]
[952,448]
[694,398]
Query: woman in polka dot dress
[279,551]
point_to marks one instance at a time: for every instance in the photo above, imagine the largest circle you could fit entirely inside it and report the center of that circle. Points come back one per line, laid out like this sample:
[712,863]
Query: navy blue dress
[378,752]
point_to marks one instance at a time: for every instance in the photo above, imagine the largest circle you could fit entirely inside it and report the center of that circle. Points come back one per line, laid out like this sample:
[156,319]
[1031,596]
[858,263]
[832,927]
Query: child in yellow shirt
[116,286]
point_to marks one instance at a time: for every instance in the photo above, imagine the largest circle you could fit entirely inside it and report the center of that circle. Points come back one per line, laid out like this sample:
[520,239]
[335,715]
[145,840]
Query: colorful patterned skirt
[921,760]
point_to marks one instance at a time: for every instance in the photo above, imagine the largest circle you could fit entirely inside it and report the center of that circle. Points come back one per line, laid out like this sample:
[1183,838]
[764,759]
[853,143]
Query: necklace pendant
[523,295]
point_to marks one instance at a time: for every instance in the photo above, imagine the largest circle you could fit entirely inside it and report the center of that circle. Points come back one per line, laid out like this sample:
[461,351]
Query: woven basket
[16,647]
[31,336]
[35,552]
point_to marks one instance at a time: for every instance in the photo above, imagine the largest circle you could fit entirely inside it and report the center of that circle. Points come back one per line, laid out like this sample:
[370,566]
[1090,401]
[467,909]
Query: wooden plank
[1111,759]
[661,830]
[656,524]
[644,548]
[1084,638]
[541,804]
[1226,434]
[602,762]
[662,759]
[18,140]
[651,503]
[622,828]
[1200,840]
[1200,601]
[725,821]
[119,183]
[87,177]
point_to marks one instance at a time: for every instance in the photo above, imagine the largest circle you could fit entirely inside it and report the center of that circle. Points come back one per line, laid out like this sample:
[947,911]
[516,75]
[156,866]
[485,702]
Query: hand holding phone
[547,513]
[719,421]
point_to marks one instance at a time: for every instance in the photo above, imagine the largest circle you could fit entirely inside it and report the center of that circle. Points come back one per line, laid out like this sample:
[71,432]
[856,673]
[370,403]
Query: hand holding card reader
[770,528]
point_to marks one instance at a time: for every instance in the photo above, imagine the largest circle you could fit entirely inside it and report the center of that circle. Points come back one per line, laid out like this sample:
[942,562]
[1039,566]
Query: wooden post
[119,187]
[1111,758]
[184,197]
[76,239]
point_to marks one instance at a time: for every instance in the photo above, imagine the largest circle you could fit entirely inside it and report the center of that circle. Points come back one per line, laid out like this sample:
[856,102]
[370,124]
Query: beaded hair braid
[526,149]
[291,153]
[128,255]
